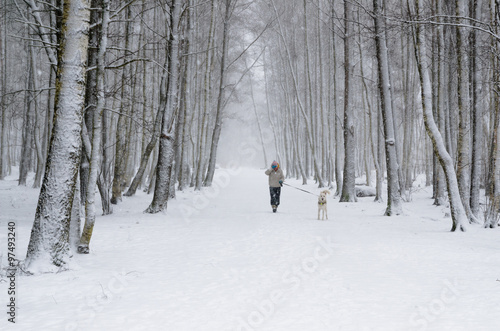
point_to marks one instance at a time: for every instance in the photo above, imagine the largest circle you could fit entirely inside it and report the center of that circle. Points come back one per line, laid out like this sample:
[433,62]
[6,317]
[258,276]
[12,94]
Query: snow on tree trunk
[338,153]
[348,188]
[493,185]
[477,122]
[28,125]
[440,179]
[90,212]
[220,99]
[105,177]
[207,82]
[393,193]
[75,222]
[49,243]
[458,215]
[122,144]
[463,145]
[166,148]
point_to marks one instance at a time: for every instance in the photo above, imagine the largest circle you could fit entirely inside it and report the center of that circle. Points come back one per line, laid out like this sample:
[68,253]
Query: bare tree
[166,151]
[49,242]
[90,208]
[220,95]
[477,115]
[393,193]
[348,188]
[458,214]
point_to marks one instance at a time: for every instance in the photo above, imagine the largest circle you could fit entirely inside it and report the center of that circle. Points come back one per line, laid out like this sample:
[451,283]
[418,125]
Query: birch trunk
[28,124]
[463,145]
[37,140]
[440,179]
[188,62]
[204,109]
[459,218]
[220,98]
[336,112]
[394,206]
[493,185]
[121,144]
[348,188]
[477,118]
[105,177]
[90,96]
[166,152]
[90,209]
[49,241]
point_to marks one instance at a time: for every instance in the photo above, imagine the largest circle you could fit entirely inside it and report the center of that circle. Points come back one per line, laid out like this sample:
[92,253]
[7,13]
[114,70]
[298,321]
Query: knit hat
[275,165]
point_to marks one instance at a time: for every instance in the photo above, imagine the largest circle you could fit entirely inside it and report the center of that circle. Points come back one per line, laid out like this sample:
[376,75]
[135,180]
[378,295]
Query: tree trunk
[477,119]
[37,140]
[493,185]
[207,81]
[90,93]
[458,215]
[220,98]
[394,206]
[121,144]
[49,241]
[463,145]
[336,112]
[348,188]
[28,125]
[90,210]
[440,179]
[166,152]
[75,220]
[105,177]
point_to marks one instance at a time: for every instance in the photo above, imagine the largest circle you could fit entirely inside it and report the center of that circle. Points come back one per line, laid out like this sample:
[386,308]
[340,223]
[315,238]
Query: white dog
[322,204]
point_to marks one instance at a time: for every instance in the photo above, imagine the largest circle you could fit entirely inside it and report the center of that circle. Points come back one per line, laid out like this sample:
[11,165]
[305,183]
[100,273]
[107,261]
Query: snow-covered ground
[221,260]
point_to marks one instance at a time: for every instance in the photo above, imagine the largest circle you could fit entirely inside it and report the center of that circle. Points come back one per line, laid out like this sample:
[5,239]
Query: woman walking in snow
[276,179]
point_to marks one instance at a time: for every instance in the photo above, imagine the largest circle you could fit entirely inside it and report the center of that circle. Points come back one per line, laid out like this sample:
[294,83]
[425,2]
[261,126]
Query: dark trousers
[275,195]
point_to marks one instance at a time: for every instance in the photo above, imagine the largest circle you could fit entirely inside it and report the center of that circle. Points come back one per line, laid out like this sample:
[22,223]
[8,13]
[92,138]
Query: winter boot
[274,208]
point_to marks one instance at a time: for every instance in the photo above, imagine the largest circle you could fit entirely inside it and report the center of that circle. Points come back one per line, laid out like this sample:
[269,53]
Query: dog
[322,204]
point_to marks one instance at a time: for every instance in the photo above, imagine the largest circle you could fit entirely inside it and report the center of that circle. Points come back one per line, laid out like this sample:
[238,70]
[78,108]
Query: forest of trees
[102,97]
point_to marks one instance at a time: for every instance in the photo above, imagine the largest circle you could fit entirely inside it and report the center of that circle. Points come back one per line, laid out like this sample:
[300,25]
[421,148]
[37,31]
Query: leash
[300,189]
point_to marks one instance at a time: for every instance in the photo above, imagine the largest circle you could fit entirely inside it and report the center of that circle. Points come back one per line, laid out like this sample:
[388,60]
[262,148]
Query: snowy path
[221,260]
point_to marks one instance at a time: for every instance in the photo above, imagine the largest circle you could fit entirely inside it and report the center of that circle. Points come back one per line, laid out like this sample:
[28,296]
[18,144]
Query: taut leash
[300,189]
